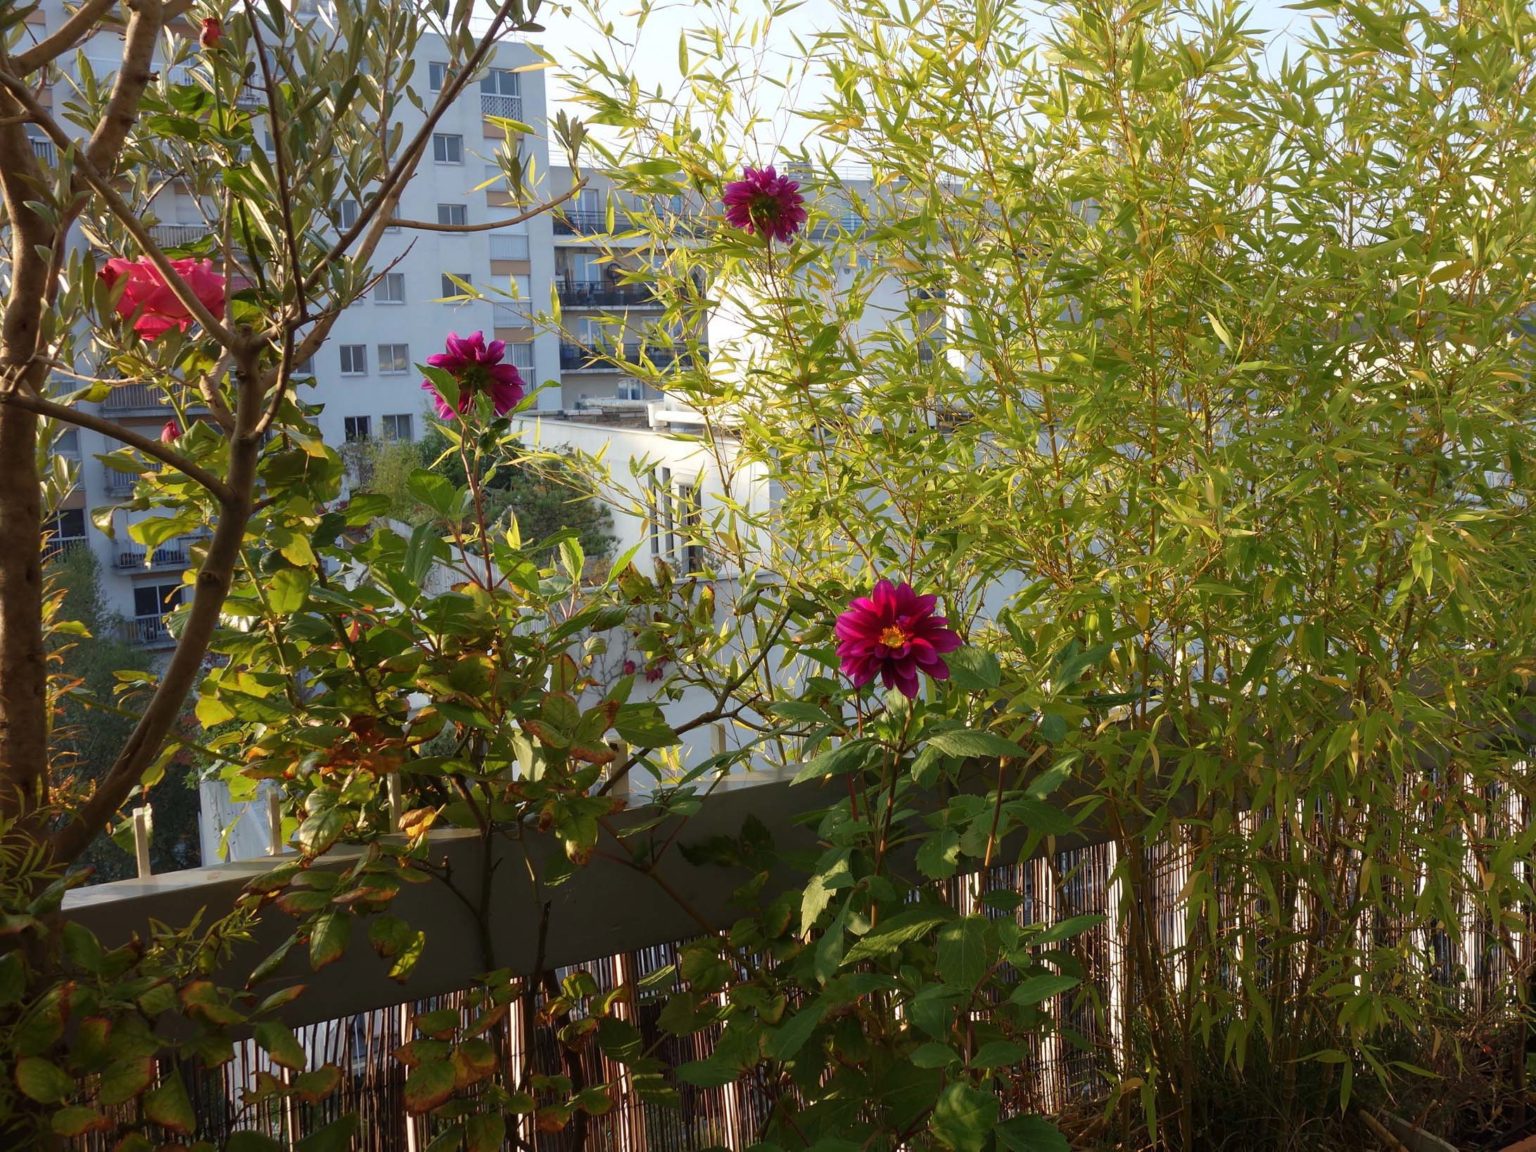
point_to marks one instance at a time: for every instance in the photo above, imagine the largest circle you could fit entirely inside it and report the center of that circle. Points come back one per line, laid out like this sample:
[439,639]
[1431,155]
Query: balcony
[604,294]
[148,632]
[121,484]
[173,554]
[136,398]
[580,222]
[178,235]
[58,545]
[45,151]
[598,358]
[507,107]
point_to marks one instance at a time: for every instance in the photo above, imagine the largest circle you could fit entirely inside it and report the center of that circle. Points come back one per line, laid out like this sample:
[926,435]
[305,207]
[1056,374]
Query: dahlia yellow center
[894,637]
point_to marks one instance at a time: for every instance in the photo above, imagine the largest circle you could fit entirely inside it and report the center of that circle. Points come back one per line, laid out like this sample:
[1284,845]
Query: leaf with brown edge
[42,1080]
[169,1106]
[428,1085]
[417,821]
[278,1041]
[124,1079]
[473,1061]
[484,1133]
[328,938]
[77,1120]
[317,1085]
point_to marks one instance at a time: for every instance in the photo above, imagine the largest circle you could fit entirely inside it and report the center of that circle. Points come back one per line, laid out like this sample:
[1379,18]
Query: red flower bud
[212,32]
[171,432]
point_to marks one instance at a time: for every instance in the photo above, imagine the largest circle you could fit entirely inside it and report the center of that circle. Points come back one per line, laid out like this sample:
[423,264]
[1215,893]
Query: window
[398,427]
[447,149]
[305,367]
[357,428]
[505,246]
[67,443]
[675,512]
[500,82]
[456,215]
[437,75]
[690,501]
[354,359]
[659,511]
[583,268]
[346,213]
[394,359]
[390,288]
[65,529]
[152,603]
[452,289]
[631,389]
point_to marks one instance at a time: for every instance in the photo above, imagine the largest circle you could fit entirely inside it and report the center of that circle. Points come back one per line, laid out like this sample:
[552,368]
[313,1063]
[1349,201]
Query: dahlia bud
[170,433]
[212,32]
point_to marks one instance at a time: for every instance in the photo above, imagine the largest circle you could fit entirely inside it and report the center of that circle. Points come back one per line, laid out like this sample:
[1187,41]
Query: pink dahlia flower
[893,632]
[477,367]
[763,202]
[170,433]
[149,300]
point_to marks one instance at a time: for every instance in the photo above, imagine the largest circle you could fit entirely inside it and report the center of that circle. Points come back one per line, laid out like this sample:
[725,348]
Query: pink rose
[147,298]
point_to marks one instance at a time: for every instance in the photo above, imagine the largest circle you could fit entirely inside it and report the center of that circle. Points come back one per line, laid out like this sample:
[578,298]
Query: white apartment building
[365,375]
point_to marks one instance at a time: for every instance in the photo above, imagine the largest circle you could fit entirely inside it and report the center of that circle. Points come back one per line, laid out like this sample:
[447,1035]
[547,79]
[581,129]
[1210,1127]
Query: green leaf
[125,1078]
[429,1084]
[791,1036]
[169,1106]
[901,929]
[286,590]
[850,756]
[77,1120]
[973,669]
[334,1137]
[1030,1134]
[965,951]
[967,742]
[964,1118]
[248,1140]
[1039,988]
[484,1133]
[278,1041]
[644,726]
[13,979]
[934,1055]
[42,1080]
[328,938]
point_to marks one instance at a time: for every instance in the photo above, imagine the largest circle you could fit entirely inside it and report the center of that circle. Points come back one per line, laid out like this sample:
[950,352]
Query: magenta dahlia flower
[478,367]
[763,202]
[149,301]
[893,632]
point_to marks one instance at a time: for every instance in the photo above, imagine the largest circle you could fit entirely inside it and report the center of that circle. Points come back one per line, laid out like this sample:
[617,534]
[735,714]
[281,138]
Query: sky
[651,51]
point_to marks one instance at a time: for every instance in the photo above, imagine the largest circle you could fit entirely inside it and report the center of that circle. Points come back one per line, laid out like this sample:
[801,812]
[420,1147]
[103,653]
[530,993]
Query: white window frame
[390,289]
[397,354]
[448,141]
[393,423]
[437,75]
[449,288]
[352,352]
[457,215]
[356,429]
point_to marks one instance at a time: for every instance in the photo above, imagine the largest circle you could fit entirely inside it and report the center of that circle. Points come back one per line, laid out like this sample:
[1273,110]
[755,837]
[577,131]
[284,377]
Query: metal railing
[148,631]
[600,357]
[172,554]
[605,294]
[45,151]
[580,222]
[131,397]
[121,483]
[507,107]
[176,235]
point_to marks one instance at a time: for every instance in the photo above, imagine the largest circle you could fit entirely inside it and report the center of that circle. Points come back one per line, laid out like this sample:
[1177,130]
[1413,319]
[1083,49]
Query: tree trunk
[23,659]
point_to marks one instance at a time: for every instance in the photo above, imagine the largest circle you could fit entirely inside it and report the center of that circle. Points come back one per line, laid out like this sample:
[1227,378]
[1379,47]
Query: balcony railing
[602,294]
[45,151]
[176,235]
[599,358]
[580,222]
[58,545]
[135,397]
[148,632]
[507,107]
[172,554]
[121,483]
